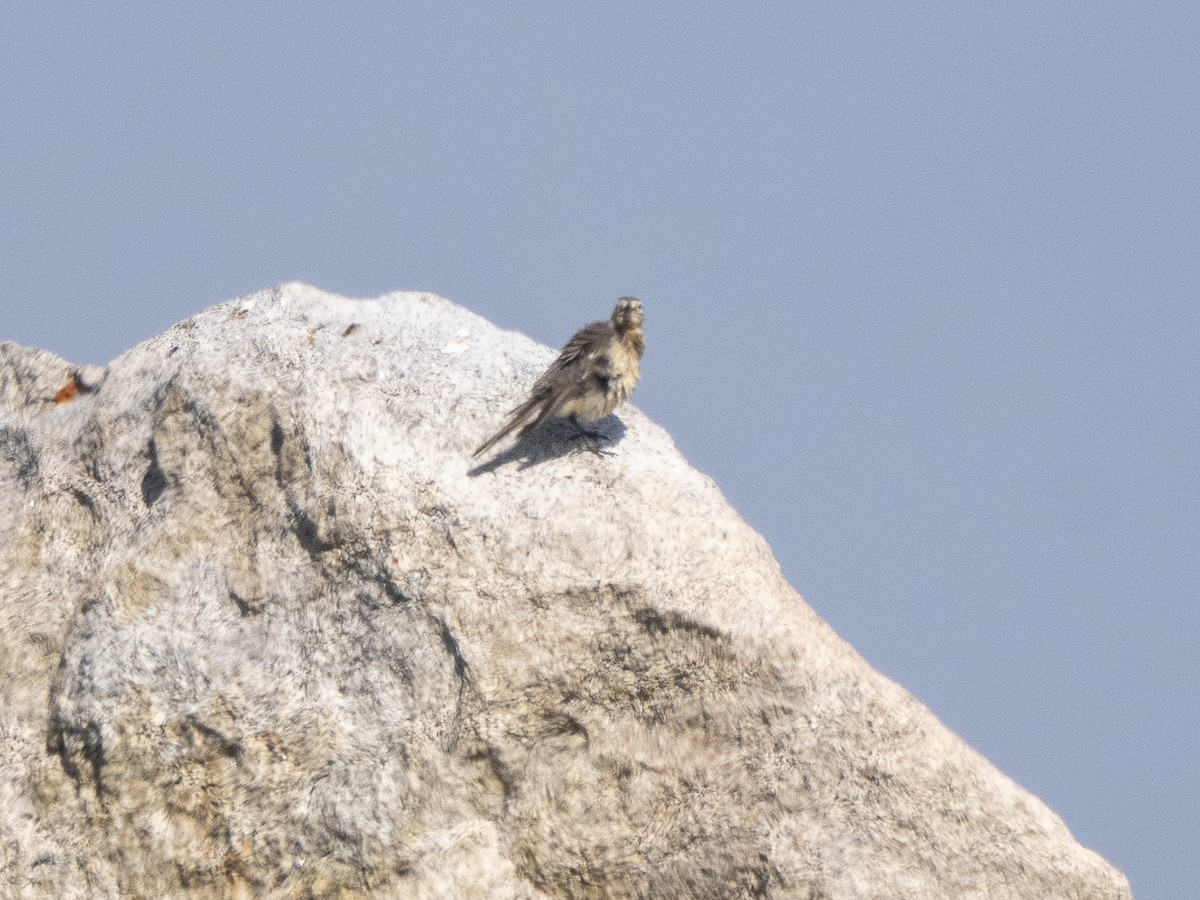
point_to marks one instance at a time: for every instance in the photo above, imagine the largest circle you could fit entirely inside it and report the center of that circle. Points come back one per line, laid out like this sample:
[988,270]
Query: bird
[595,372]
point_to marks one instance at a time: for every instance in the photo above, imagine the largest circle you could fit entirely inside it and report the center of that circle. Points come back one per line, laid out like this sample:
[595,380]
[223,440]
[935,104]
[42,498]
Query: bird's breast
[611,378]
[625,371]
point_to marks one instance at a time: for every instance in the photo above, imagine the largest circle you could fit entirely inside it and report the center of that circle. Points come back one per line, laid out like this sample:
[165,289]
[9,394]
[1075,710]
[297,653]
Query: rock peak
[282,637]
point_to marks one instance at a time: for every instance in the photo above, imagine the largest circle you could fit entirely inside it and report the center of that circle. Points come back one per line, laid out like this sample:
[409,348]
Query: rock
[265,631]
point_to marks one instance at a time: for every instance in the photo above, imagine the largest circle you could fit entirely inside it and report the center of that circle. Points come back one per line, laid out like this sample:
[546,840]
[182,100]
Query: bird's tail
[515,418]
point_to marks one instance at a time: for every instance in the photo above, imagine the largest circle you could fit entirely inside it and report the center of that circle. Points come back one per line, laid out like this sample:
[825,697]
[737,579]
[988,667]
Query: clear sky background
[921,279]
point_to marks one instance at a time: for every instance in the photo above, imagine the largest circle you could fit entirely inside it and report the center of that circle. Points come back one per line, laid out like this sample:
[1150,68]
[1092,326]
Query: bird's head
[628,314]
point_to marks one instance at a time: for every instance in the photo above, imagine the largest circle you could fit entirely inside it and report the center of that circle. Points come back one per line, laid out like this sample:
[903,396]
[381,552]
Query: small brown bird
[593,375]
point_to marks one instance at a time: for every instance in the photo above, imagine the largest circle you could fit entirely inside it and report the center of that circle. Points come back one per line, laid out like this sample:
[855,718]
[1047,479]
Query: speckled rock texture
[267,631]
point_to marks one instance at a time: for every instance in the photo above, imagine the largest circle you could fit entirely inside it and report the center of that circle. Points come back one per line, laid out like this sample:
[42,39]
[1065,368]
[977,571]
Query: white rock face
[266,632]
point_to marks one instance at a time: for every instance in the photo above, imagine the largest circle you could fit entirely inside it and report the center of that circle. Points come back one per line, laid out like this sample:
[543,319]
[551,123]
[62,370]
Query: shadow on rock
[554,439]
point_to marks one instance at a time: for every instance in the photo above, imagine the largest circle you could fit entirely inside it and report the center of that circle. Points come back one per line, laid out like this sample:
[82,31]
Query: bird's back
[576,356]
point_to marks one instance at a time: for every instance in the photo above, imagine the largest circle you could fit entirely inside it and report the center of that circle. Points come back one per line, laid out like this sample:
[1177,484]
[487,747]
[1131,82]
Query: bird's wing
[572,366]
[576,359]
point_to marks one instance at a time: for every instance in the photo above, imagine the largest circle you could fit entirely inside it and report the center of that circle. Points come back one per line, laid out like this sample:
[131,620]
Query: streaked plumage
[595,373]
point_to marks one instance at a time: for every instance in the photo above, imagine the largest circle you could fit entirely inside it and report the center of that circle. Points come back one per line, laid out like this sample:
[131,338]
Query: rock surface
[265,631]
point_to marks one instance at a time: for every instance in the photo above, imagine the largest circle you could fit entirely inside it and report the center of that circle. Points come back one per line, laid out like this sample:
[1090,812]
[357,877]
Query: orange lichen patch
[70,390]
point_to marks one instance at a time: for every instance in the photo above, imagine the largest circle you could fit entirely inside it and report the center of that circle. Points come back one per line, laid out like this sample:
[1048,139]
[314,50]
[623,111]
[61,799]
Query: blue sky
[921,283]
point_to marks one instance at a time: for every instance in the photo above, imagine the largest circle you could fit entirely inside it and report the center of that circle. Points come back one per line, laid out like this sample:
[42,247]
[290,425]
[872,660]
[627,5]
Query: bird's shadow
[558,437]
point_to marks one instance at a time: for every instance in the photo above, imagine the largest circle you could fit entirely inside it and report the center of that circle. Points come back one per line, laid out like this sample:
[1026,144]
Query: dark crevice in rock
[72,744]
[154,482]
[658,622]
[306,533]
[293,457]
[277,450]
[490,758]
[15,446]
[559,723]
[461,666]
[85,500]
[245,606]
[224,745]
